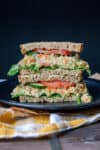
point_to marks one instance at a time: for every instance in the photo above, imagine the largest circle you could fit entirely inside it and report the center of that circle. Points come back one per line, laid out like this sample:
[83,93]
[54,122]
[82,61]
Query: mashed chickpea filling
[34,92]
[49,62]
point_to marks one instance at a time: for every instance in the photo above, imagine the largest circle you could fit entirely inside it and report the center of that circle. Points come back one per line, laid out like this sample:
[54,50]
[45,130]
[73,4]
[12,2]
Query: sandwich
[51,72]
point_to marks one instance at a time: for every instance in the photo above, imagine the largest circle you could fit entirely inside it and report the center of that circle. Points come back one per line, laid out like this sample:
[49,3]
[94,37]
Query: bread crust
[71,46]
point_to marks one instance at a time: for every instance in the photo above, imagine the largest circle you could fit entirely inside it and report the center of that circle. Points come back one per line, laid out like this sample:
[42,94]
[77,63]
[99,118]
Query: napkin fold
[24,123]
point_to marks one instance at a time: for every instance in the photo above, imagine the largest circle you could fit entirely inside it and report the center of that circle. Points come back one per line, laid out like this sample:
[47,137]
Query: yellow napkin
[20,122]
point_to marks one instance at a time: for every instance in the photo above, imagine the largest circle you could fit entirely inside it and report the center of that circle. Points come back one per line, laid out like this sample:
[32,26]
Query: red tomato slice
[44,65]
[66,52]
[57,84]
[54,51]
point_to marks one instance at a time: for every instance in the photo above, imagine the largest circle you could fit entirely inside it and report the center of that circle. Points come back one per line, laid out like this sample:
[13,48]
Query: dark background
[42,20]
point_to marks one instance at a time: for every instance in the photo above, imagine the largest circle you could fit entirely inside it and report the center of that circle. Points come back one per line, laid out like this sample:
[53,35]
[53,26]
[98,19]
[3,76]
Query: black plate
[7,86]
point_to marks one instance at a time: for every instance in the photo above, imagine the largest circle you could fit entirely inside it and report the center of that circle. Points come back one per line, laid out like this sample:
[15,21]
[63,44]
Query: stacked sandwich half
[51,72]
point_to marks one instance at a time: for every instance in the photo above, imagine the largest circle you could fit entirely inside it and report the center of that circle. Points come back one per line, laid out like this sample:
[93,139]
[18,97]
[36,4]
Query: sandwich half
[50,56]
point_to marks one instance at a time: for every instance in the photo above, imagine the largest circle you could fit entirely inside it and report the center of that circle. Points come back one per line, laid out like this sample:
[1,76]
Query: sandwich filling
[58,89]
[48,62]
[62,52]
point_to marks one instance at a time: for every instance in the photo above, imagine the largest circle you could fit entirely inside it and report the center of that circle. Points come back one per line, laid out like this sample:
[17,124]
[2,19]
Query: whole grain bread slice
[27,99]
[71,46]
[27,76]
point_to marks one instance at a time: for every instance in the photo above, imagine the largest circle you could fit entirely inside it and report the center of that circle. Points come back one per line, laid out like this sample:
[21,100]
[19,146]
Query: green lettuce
[55,95]
[50,67]
[31,67]
[30,53]
[37,85]
[17,95]
[13,70]
[83,69]
[41,95]
[78,99]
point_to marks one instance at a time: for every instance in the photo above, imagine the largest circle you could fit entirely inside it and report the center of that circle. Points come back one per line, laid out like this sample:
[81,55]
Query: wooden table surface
[84,138]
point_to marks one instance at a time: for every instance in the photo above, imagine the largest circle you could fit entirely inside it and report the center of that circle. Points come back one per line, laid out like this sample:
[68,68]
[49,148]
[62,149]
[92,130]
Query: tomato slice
[64,52]
[57,84]
[44,65]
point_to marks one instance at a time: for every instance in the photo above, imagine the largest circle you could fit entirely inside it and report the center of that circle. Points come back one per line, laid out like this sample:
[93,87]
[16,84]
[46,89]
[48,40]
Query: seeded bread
[27,76]
[74,47]
[26,99]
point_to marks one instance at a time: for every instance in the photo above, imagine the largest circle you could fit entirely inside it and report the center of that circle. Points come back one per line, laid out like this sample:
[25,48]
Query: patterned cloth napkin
[24,123]
[19,122]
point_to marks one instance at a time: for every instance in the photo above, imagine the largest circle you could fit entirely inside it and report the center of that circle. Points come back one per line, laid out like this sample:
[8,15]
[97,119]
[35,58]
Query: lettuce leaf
[55,95]
[88,71]
[37,86]
[78,99]
[17,95]
[30,53]
[31,67]
[13,70]
[83,69]
[50,67]
[43,94]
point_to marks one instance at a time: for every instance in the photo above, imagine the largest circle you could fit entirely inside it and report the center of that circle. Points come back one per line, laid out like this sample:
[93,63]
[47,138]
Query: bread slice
[27,99]
[27,76]
[73,47]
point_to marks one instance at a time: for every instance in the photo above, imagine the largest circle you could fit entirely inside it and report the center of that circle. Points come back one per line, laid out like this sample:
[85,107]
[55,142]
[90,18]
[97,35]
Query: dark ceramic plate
[7,86]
